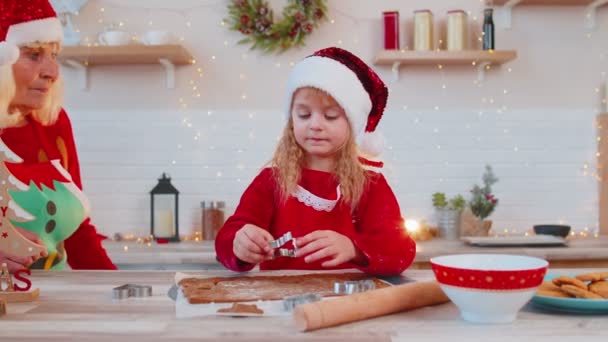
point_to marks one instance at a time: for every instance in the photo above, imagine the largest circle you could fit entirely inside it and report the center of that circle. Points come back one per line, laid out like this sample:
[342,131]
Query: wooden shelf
[590,12]
[481,59]
[543,2]
[127,54]
[83,57]
[408,57]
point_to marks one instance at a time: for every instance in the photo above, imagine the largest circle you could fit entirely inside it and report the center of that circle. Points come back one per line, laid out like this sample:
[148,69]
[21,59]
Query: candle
[165,225]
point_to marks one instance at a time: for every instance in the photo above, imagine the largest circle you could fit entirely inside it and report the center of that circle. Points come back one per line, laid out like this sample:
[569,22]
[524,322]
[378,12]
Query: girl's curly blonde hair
[288,161]
[46,115]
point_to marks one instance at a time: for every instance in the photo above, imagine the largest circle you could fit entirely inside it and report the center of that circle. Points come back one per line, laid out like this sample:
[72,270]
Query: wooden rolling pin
[327,313]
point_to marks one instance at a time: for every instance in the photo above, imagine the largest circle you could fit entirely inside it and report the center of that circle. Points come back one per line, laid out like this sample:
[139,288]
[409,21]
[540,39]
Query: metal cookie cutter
[286,252]
[131,290]
[290,303]
[350,287]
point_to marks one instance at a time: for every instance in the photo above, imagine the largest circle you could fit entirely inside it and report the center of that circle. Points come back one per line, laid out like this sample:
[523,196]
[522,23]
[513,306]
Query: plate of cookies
[583,293]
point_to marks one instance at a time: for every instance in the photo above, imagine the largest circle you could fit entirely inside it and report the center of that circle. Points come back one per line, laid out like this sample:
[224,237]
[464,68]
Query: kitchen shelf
[83,57]
[482,59]
[590,12]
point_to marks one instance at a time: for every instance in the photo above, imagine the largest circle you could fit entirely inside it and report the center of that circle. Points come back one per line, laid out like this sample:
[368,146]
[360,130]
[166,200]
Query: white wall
[532,119]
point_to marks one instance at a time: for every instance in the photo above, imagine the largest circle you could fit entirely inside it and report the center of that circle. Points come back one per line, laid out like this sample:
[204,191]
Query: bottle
[488,29]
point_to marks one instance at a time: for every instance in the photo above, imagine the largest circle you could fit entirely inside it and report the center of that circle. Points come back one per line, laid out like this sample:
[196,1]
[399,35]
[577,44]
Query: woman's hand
[16,263]
[322,244]
[251,244]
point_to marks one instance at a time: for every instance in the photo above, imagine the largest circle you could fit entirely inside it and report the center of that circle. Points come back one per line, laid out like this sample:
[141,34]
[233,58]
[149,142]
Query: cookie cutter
[350,287]
[131,290]
[290,303]
[285,252]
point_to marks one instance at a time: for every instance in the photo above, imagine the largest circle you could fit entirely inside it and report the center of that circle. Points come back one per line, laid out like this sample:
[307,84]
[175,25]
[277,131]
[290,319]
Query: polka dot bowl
[489,288]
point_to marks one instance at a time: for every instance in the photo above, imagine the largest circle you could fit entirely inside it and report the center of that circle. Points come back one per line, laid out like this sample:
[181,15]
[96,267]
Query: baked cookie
[242,308]
[594,276]
[553,293]
[566,280]
[580,293]
[548,286]
[599,287]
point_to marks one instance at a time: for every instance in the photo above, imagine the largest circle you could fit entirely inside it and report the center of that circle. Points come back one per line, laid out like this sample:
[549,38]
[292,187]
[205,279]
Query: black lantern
[164,211]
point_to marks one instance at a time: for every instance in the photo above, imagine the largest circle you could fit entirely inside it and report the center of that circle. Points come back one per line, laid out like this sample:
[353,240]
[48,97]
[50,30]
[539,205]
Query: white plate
[510,241]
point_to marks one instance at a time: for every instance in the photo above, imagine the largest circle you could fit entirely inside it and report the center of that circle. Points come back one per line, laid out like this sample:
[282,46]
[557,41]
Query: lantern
[164,211]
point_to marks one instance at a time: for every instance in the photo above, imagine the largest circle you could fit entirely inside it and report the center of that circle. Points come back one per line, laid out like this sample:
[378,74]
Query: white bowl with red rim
[489,288]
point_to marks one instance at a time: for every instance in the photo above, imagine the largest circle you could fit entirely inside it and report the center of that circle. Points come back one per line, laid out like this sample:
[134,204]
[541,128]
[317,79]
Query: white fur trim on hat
[372,143]
[43,30]
[338,81]
[9,53]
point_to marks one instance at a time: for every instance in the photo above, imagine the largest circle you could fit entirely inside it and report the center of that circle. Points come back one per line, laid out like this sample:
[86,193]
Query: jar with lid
[423,30]
[212,218]
[457,30]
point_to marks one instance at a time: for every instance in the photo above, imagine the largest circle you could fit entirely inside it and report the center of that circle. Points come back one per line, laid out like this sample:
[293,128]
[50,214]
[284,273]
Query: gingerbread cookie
[242,308]
[566,280]
[600,288]
[580,293]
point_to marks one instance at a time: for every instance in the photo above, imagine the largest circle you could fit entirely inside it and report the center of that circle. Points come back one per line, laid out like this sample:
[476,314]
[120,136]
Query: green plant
[440,201]
[483,202]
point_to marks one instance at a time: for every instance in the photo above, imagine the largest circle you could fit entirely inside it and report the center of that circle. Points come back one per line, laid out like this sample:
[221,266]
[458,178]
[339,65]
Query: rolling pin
[355,307]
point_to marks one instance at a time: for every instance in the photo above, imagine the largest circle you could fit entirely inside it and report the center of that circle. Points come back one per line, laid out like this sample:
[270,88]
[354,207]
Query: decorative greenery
[255,20]
[440,201]
[483,202]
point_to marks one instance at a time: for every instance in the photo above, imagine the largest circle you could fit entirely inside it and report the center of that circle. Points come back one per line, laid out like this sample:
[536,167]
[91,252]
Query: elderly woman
[36,132]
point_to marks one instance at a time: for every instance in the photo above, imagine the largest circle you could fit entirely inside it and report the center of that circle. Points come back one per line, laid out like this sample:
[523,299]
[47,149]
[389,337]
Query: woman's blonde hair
[289,159]
[46,115]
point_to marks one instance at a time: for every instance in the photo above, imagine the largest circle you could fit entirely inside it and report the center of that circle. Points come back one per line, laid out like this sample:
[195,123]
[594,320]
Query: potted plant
[483,202]
[448,214]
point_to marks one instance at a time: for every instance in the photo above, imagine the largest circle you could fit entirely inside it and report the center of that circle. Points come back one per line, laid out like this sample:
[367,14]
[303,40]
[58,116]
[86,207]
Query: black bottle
[488,29]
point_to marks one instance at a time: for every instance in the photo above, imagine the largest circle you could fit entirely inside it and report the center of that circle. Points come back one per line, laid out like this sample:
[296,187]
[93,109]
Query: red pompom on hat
[354,86]
[23,22]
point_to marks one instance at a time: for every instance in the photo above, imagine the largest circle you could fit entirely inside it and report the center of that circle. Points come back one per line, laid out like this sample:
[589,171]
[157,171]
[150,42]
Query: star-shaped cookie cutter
[286,252]
[131,290]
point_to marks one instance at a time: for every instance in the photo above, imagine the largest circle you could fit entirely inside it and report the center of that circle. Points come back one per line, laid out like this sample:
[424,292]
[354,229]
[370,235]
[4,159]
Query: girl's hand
[16,263]
[251,244]
[322,244]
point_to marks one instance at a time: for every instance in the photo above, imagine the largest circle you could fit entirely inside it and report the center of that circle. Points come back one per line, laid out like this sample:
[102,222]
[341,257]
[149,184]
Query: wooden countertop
[77,306]
[588,252]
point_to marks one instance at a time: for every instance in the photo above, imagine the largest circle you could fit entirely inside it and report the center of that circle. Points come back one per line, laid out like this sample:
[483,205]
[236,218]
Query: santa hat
[354,86]
[23,22]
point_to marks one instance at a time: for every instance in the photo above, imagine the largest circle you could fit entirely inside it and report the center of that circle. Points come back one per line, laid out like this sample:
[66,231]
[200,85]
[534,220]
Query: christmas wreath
[255,20]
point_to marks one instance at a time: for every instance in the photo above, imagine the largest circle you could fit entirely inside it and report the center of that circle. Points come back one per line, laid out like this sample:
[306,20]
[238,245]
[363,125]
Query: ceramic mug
[157,37]
[114,38]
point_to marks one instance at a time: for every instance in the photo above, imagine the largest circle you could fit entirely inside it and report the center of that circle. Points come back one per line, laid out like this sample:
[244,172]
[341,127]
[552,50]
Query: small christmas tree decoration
[11,240]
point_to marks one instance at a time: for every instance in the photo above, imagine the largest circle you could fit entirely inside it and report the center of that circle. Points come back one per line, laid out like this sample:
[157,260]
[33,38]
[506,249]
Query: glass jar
[212,218]
[423,30]
[457,30]
[391,30]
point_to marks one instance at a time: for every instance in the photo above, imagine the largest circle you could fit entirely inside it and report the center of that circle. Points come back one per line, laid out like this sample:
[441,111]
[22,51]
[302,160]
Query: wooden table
[588,252]
[78,306]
